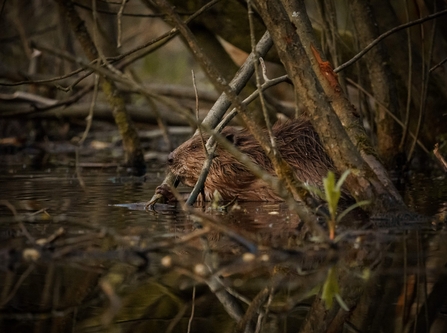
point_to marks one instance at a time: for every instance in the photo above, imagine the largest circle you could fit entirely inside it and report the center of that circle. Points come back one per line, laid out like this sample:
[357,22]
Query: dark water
[91,259]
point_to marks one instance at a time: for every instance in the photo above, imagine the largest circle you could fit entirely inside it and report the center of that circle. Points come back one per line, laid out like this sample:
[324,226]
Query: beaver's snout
[171,158]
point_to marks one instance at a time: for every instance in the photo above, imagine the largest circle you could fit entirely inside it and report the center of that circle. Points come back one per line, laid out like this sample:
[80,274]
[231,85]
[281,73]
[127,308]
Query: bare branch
[386,34]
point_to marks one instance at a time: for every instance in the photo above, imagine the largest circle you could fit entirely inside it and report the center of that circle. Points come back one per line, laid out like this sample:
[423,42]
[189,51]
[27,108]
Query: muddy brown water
[93,260]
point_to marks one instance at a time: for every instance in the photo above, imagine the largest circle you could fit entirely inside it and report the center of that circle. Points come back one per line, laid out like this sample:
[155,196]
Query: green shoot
[332,193]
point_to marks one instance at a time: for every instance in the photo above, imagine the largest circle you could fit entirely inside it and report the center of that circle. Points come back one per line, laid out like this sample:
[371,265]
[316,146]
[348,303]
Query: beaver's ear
[233,138]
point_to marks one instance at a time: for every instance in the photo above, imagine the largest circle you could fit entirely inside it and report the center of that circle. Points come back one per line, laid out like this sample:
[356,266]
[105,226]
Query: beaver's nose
[170,158]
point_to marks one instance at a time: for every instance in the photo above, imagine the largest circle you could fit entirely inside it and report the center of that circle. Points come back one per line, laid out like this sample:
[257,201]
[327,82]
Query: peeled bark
[318,89]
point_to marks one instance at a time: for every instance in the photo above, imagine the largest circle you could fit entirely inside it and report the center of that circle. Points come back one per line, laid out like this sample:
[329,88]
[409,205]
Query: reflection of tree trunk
[131,143]
[431,313]
[382,85]
[375,308]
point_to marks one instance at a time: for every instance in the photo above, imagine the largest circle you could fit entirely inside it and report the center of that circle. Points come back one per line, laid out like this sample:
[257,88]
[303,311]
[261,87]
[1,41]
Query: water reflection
[93,260]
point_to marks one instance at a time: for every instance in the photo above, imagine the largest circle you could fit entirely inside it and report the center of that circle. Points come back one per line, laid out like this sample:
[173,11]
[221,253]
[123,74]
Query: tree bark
[131,143]
[382,84]
[319,91]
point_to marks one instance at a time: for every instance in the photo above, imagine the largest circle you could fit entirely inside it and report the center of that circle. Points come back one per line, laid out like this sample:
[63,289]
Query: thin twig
[386,34]
[89,120]
[193,304]
[17,285]
[441,159]
[45,241]
[397,120]
[253,309]
[39,109]
[168,36]
[102,57]
[438,65]
[409,82]
[108,12]
[211,143]
[28,97]
[425,80]
[177,318]
[118,17]
[258,78]
[44,80]
[263,314]
[223,103]
[18,220]
[197,112]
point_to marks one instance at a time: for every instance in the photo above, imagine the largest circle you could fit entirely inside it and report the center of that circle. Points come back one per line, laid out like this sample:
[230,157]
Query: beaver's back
[297,143]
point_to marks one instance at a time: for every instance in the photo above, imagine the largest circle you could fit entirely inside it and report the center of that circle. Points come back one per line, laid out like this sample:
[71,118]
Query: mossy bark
[134,157]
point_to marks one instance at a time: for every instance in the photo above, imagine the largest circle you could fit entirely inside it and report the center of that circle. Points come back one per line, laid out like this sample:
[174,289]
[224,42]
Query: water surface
[91,259]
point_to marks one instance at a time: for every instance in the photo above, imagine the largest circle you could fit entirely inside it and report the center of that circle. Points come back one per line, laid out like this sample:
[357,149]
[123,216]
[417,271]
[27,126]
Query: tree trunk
[380,77]
[317,87]
[131,143]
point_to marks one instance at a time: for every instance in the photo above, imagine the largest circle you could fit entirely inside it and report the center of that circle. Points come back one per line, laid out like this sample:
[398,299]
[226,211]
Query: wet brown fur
[296,140]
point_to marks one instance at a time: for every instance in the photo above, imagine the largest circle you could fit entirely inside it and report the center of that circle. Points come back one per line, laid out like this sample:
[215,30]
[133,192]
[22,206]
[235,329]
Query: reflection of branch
[193,304]
[18,220]
[386,34]
[16,287]
[252,310]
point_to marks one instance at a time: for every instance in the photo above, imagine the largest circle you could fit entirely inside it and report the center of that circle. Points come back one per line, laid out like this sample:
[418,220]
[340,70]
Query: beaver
[296,140]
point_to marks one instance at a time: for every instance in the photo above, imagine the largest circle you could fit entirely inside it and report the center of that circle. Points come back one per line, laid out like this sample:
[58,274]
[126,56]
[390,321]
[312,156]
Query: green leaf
[332,195]
[341,302]
[347,210]
[217,198]
[315,190]
[330,288]
[342,180]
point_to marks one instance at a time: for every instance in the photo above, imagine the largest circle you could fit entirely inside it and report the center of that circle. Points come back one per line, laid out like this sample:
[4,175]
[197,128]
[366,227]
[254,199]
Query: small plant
[332,193]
